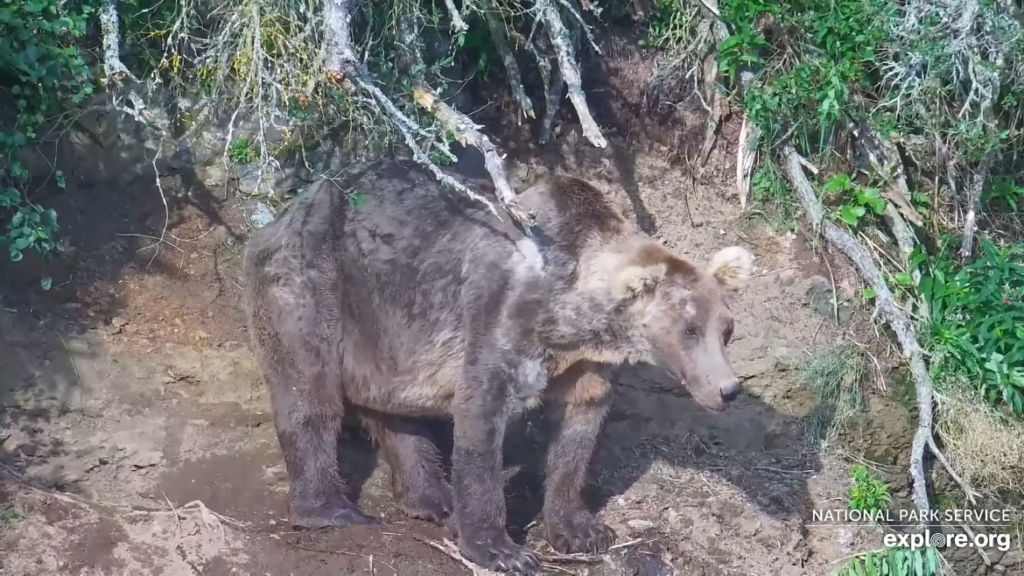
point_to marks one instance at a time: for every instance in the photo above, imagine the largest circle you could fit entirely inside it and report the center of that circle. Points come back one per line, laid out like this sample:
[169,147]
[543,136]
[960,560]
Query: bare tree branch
[458,24]
[548,13]
[113,68]
[467,133]
[497,29]
[341,62]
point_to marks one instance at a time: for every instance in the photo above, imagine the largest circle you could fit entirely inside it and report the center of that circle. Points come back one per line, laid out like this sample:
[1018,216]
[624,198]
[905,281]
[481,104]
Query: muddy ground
[137,436]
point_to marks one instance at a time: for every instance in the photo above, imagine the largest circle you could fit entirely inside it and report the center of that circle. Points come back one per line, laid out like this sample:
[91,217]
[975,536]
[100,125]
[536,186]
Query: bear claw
[579,533]
[501,554]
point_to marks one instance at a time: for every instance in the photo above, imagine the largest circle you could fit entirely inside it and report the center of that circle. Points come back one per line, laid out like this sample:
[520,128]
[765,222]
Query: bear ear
[638,281]
[731,267]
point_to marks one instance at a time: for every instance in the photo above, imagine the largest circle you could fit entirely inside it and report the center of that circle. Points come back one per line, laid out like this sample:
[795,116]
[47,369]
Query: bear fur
[420,303]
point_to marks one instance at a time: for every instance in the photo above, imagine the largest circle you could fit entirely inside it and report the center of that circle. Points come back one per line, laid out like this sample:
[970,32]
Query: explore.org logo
[981,540]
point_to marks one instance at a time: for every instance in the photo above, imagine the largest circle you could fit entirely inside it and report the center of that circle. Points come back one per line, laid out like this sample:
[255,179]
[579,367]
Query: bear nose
[730,391]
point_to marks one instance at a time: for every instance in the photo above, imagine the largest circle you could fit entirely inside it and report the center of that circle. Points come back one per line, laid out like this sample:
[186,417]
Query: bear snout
[730,390]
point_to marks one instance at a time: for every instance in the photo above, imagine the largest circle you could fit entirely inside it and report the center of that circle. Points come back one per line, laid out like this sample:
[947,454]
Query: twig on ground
[886,306]
[548,13]
[209,517]
[450,549]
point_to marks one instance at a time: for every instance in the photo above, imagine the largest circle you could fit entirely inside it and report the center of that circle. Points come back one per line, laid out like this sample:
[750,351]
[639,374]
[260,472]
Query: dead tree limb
[497,28]
[567,64]
[341,62]
[747,155]
[468,133]
[889,310]
[113,68]
[458,24]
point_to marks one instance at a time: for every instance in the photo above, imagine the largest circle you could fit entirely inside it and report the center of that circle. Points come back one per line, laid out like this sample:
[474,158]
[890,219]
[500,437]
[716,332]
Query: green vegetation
[43,73]
[836,377]
[895,562]
[9,517]
[868,492]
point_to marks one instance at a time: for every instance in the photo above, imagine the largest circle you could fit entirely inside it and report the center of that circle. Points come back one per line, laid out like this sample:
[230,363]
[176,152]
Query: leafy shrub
[895,562]
[976,320]
[42,73]
[868,492]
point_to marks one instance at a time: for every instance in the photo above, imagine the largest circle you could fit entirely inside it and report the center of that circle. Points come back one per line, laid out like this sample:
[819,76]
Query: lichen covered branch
[886,307]
[113,68]
[567,64]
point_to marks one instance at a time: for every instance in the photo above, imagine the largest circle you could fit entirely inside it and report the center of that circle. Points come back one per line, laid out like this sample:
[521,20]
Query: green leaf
[837,183]
[868,293]
[852,214]
[46,283]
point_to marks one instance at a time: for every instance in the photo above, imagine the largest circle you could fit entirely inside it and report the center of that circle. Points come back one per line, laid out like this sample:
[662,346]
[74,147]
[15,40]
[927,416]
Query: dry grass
[836,376]
[985,446]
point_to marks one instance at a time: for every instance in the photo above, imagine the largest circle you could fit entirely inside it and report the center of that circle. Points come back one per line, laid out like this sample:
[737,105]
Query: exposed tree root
[888,308]
[548,14]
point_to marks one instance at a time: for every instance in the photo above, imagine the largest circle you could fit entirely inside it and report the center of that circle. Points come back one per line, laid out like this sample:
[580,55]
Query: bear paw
[498,552]
[328,516]
[433,504]
[577,533]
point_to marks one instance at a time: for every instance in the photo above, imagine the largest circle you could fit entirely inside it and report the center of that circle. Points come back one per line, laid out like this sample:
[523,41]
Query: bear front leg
[481,412]
[581,399]
[417,479]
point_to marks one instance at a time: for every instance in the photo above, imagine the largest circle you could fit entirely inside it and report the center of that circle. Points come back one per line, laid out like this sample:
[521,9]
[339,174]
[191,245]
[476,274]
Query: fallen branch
[548,13]
[890,311]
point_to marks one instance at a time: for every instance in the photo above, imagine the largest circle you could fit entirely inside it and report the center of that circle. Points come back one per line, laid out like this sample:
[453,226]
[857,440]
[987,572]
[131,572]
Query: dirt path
[130,386]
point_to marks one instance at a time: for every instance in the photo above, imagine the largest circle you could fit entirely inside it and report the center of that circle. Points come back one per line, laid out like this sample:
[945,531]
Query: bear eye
[691,331]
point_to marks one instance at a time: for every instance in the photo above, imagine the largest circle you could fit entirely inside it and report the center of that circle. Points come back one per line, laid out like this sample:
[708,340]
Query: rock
[640,525]
[261,215]
[146,458]
[77,346]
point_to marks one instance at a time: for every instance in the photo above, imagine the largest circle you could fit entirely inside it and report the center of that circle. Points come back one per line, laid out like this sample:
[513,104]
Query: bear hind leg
[417,478]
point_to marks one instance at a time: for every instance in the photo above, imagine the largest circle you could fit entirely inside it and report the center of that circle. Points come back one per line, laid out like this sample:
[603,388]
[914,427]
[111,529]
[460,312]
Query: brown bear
[421,303]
